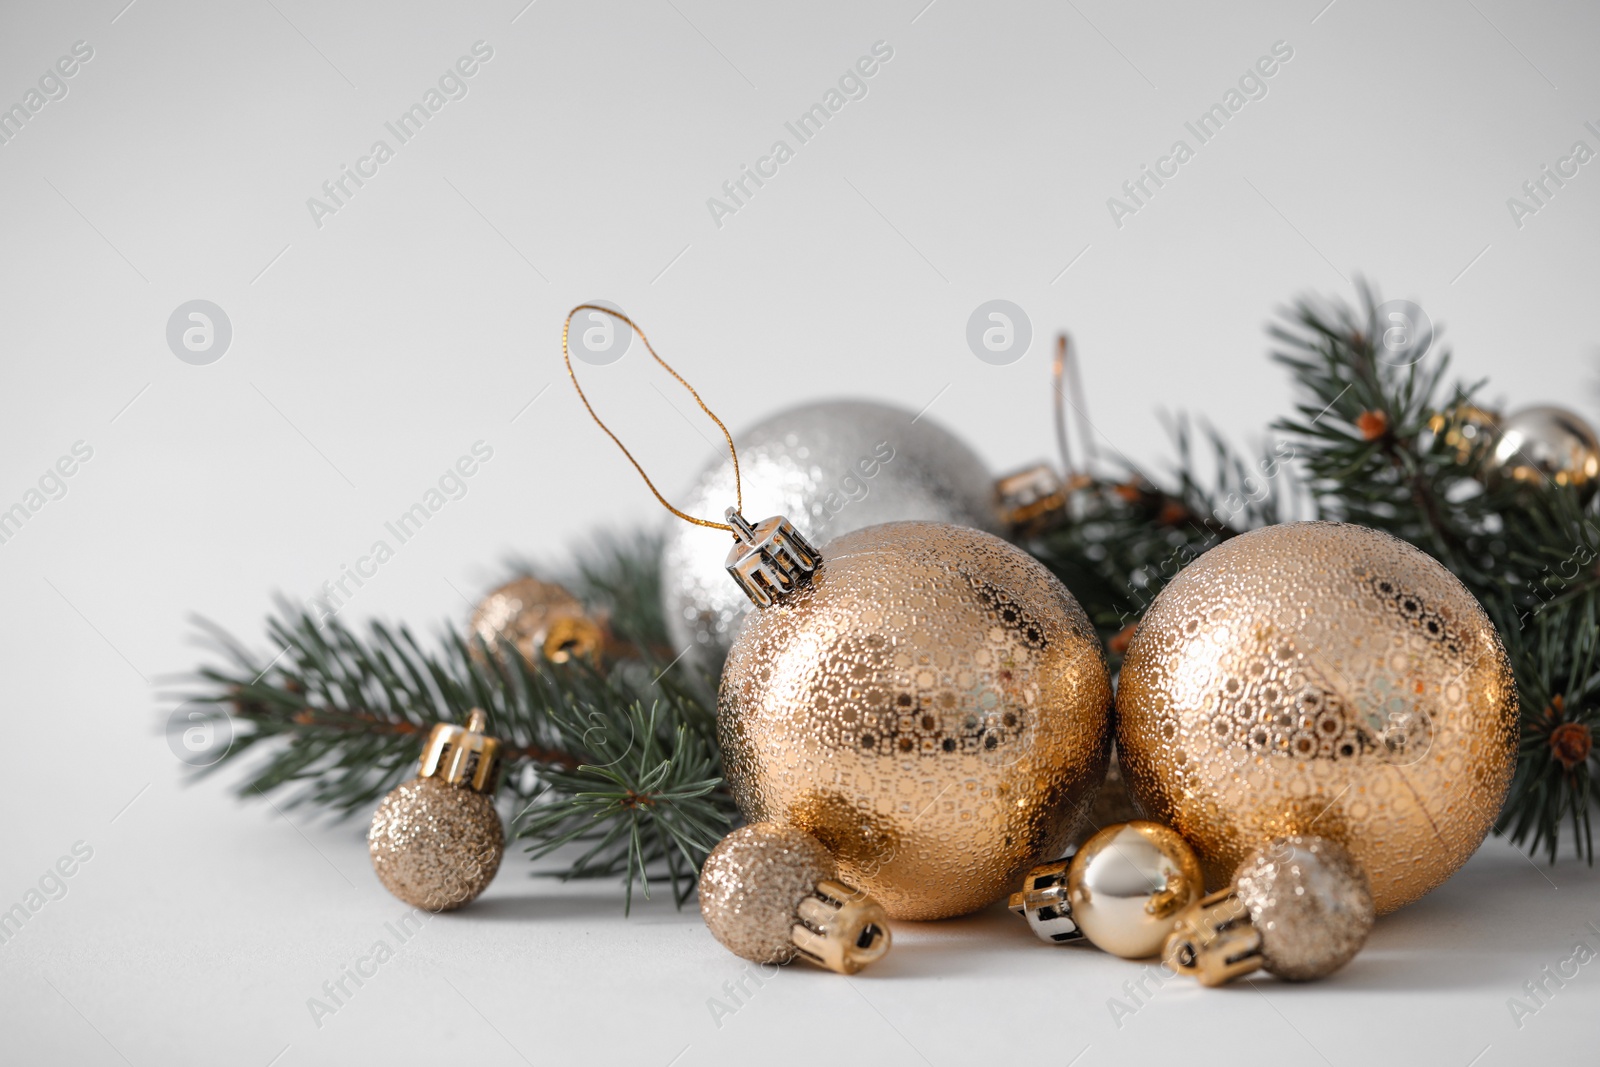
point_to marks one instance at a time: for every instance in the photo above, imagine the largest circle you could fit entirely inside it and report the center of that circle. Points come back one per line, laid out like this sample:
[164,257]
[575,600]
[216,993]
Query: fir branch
[656,802]
[336,718]
[1127,536]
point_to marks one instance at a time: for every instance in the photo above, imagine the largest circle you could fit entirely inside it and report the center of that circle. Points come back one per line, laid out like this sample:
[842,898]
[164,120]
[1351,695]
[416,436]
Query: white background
[371,351]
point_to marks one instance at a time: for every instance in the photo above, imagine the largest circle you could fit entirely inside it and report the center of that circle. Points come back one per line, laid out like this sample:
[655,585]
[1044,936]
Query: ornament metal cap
[463,756]
[770,559]
[840,928]
[1043,902]
[1033,500]
[1214,940]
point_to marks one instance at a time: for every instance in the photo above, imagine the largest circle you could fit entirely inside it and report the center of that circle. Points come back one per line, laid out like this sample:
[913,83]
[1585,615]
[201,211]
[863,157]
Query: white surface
[370,353]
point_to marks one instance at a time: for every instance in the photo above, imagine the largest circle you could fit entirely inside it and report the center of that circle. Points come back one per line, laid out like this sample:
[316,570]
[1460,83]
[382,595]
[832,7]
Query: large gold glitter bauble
[932,705]
[1320,678]
[768,893]
[541,619]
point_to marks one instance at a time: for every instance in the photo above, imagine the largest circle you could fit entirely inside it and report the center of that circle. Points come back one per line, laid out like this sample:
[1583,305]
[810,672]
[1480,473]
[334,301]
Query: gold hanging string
[738,492]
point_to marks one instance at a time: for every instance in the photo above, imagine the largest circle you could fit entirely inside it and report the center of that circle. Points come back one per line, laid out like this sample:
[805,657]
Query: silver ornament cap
[770,559]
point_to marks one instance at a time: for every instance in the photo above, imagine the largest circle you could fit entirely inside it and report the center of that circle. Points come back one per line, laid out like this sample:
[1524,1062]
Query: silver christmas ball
[832,467]
[1548,444]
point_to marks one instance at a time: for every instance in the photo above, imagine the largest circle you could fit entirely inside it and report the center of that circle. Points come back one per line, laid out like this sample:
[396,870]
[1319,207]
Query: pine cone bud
[1570,744]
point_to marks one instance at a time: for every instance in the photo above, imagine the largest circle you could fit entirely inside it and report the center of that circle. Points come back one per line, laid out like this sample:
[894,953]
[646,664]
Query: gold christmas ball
[1128,883]
[767,892]
[1544,445]
[1311,904]
[1320,678]
[541,619]
[932,706]
[435,845]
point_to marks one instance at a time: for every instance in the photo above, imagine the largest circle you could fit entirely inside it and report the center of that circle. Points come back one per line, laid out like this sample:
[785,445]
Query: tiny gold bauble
[1128,883]
[932,705]
[768,893]
[436,841]
[541,619]
[1321,678]
[434,845]
[1465,429]
[1311,903]
[1299,908]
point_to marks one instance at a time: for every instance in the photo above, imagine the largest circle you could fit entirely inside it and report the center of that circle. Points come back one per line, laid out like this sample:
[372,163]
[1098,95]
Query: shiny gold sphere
[541,619]
[1548,445]
[1321,678]
[435,845]
[932,706]
[1128,883]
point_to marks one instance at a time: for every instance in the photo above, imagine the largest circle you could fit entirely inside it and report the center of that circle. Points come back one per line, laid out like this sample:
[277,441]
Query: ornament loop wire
[1064,375]
[566,355]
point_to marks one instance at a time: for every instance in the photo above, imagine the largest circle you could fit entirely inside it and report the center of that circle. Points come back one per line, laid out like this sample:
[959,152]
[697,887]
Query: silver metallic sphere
[1310,903]
[1548,444]
[832,467]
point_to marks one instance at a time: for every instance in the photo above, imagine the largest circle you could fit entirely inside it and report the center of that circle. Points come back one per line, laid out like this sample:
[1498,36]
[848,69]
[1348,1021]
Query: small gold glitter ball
[1128,883]
[932,706]
[541,619]
[767,892]
[435,845]
[1311,904]
[1321,678]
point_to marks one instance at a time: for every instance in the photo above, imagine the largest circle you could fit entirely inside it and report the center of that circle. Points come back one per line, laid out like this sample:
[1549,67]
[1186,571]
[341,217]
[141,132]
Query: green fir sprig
[617,761]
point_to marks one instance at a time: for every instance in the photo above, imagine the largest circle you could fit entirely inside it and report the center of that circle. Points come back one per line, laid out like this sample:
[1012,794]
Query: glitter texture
[1310,903]
[932,706]
[434,845]
[751,885]
[823,467]
[1321,678]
